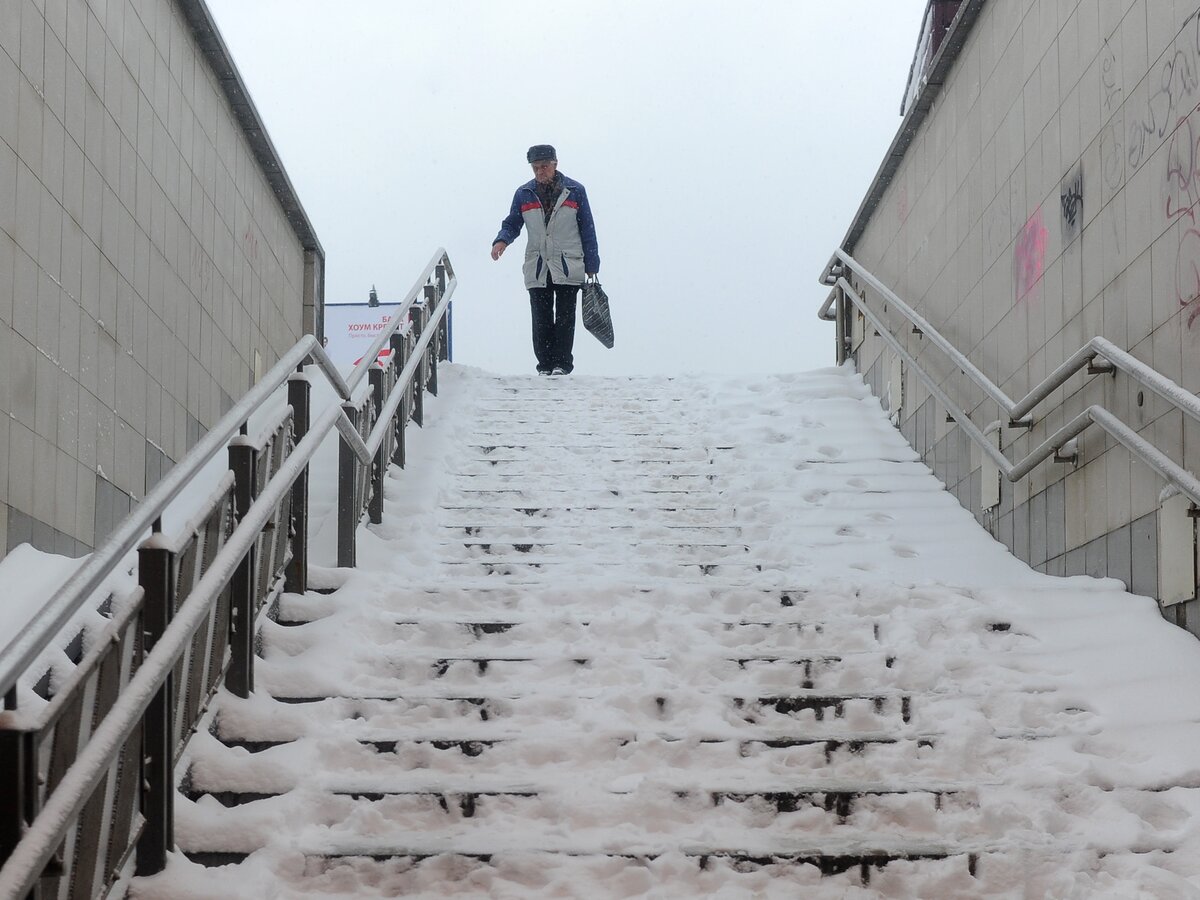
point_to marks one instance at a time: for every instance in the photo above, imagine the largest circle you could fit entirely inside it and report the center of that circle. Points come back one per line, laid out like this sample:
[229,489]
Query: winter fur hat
[539,152]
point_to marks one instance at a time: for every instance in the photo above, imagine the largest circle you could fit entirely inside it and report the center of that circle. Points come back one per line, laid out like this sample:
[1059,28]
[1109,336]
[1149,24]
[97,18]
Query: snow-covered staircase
[683,638]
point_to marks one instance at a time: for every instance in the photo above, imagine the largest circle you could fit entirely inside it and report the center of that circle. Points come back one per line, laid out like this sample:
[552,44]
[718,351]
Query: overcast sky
[725,148]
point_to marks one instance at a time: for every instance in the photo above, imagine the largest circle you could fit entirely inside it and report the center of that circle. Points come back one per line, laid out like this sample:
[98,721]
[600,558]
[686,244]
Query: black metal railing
[88,747]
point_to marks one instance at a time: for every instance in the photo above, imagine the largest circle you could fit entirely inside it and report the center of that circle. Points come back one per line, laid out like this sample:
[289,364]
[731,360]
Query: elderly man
[560,251]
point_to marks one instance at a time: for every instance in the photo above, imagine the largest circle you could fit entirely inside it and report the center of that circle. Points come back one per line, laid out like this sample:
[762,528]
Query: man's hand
[498,249]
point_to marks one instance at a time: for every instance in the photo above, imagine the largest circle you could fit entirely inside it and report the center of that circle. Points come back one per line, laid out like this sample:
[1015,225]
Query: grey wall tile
[1005,533]
[1119,552]
[20,529]
[1074,562]
[1056,519]
[43,536]
[1144,555]
[1095,561]
[21,457]
[106,511]
[1021,532]
[1039,551]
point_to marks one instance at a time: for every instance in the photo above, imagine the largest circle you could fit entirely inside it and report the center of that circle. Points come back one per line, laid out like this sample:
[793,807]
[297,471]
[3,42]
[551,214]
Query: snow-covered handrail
[22,869]
[1183,480]
[143,715]
[1111,356]
[20,651]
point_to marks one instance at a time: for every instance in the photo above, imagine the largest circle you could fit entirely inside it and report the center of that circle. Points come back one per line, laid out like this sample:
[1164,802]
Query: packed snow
[693,637]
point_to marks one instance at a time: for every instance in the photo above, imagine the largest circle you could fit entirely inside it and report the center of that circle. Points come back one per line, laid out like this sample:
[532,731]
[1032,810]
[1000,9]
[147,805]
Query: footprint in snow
[881,517]
[857,483]
[849,531]
[904,552]
[831,452]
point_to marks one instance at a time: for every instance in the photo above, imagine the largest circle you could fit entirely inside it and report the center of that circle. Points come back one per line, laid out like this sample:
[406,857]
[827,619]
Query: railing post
[243,460]
[18,783]
[418,382]
[841,331]
[300,399]
[444,325]
[379,461]
[434,352]
[348,508]
[156,574]
[400,344]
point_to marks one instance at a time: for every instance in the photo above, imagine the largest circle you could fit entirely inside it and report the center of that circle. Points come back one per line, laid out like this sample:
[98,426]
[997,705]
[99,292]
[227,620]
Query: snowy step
[639,479]
[660,567]
[453,635]
[629,640]
[594,514]
[862,855]
[474,743]
[513,533]
[578,548]
[503,469]
[493,602]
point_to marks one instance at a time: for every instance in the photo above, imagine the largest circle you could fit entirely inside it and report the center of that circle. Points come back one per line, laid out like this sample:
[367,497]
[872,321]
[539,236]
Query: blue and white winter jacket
[565,247]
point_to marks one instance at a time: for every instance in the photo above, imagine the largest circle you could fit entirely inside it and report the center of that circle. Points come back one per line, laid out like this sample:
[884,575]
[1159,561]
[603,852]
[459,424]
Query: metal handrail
[439,260]
[41,837]
[22,869]
[1018,411]
[23,649]
[383,421]
[918,322]
[1183,480]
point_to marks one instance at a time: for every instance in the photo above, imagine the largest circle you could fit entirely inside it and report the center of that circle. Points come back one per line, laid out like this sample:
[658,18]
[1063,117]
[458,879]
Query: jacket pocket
[533,268]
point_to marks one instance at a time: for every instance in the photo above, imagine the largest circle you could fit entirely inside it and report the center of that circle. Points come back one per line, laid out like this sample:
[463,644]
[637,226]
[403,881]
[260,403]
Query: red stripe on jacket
[528,206]
[571,203]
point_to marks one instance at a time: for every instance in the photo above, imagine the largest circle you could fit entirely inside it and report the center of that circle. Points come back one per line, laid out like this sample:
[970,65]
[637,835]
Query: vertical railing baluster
[433,354]
[841,328]
[444,326]
[418,405]
[156,574]
[348,501]
[243,602]
[300,398]
[400,344]
[379,462]
[18,783]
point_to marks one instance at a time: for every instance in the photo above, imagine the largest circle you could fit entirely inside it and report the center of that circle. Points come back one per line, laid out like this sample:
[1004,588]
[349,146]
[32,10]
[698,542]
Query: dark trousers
[553,310]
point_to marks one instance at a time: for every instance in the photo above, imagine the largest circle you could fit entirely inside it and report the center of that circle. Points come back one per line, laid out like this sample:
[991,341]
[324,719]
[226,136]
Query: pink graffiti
[1029,256]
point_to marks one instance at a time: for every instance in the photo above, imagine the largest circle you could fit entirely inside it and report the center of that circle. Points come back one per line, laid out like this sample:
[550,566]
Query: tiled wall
[1050,196]
[146,267]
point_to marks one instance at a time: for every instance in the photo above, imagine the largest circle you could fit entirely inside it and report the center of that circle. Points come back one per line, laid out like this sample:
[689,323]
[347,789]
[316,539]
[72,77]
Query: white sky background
[725,148]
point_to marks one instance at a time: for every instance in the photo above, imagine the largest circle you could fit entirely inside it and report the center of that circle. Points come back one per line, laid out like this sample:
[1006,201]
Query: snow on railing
[1097,356]
[79,760]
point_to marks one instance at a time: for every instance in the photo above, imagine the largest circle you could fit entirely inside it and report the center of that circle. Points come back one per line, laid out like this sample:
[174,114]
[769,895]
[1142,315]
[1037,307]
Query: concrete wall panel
[1052,194]
[145,261]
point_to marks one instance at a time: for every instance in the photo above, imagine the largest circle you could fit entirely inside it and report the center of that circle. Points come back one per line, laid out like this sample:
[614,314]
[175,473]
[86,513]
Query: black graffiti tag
[1071,198]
